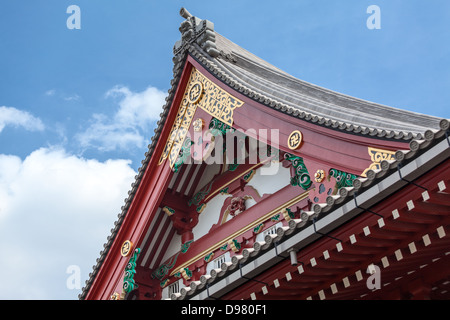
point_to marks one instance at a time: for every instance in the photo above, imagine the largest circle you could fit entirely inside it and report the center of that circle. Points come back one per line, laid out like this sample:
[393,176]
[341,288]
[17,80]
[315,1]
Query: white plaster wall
[262,181]
[209,216]
[208,175]
[173,248]
[270,179]
[249,203]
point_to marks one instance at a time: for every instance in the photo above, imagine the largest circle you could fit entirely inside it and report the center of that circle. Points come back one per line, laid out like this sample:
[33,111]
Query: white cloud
[50,92]
[129,126]
[64,96]
[73,97]
[138,108]
[56,210]
[10,116]
[106,135]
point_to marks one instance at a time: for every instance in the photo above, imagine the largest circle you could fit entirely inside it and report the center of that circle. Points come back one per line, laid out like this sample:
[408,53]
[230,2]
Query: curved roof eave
[268,85]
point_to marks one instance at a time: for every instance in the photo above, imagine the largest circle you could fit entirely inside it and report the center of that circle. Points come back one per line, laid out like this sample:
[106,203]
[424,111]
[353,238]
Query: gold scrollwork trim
[200,92]
[376,156]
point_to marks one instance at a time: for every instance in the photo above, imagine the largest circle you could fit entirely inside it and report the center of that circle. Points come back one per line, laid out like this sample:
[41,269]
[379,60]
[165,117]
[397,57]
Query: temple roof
[270,86]
[277,89]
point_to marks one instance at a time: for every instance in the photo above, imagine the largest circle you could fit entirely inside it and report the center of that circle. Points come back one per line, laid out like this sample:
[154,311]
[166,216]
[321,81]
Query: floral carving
[237,206]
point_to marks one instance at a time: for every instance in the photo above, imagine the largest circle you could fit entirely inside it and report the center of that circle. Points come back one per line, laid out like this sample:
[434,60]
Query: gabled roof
[277,89]
[274,88]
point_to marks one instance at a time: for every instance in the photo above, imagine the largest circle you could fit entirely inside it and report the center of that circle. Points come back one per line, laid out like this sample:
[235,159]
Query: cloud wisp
[129,125]
[10,116]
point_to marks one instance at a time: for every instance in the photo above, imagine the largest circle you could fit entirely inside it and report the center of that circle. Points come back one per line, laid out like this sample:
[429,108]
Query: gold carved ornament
[198,124]
[200,92]
[376,156]
[126,247]
[295,140]
[115,296]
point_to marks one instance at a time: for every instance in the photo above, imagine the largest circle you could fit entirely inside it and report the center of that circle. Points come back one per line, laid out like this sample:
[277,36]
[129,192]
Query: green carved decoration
[258,228]
[169,211]
[209,257]
[249,175]
[301,176]
[164,283]
[290,213]
[186,273]
[235,245]
[224,247]
[130,270]
[233,166]
[343,179]
[185,152]
[218,127]
[275,217]
[163,270]
[200,208]
[199,196]
[185,246]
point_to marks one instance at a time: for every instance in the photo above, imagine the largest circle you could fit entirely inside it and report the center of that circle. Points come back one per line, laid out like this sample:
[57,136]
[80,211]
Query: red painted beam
[144,205]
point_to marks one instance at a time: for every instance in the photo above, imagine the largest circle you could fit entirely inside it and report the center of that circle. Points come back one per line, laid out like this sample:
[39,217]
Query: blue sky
[78,107]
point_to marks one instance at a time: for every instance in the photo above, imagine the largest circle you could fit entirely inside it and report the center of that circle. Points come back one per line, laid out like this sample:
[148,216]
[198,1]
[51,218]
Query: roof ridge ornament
[185,14]
[196,30]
